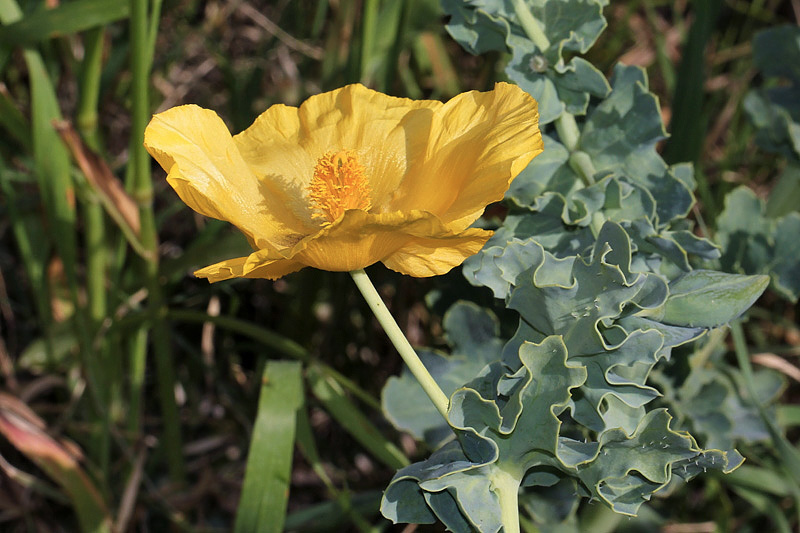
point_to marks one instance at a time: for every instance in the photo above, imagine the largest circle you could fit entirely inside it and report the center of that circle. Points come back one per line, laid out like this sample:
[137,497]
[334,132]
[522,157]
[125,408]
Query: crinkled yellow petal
[253,266]
[431,169]
[423,257]
[360,239]
[284,143]
[479,141]
[414,243]
[207,171]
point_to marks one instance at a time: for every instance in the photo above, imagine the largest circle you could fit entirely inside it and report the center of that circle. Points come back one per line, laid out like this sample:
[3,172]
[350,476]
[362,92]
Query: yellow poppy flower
[351,177]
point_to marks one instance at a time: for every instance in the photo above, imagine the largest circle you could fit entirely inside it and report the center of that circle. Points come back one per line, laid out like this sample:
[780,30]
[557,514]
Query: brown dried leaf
[119,204]
[59,459]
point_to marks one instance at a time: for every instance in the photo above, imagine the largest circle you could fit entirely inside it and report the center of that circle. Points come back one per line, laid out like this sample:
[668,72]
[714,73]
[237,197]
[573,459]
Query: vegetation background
[130,389]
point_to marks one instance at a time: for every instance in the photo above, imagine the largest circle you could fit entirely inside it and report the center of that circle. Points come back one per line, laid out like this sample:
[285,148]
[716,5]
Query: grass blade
[688,120]
[266,482]
[65,19]
[333,397]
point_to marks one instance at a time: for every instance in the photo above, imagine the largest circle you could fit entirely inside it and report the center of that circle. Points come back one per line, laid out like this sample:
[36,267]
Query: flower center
[338,184]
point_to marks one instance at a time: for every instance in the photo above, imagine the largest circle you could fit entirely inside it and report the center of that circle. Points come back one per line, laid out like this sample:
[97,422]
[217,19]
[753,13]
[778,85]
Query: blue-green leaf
[621,135]
[707,298]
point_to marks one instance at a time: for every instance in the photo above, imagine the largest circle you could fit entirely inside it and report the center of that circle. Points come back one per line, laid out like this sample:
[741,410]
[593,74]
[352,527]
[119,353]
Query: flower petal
[284,143]
[253,266]
[207,171]
[360,239]
[422,257]
[478,143]
[414,243]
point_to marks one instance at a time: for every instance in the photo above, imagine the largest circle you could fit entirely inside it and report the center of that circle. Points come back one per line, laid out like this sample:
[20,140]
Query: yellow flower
[351,177]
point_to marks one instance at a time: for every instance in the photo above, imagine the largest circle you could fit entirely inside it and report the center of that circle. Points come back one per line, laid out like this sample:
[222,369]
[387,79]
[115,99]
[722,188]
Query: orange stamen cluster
[338,184]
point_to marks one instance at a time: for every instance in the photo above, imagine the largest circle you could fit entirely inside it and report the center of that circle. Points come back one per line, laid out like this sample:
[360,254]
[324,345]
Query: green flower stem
[400,341]
[531,26]
[506,486]
[142,190]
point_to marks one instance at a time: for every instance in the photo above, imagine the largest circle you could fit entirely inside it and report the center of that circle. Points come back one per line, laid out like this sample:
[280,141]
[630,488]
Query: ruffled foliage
[597,257]
[576,371]
[570,27]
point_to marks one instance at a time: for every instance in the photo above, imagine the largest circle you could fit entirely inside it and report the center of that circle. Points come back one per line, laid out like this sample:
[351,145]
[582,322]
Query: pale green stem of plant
[94,224]
[152,30]
[506,487]
[400,341]
[570,136]
[582,164]
[90,87]
[531,26]
[142,190]
[568,131]
[567,127]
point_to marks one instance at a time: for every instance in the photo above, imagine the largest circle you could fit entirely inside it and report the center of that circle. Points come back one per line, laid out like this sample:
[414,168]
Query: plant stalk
[530,25]
[143,192]
[506,487]
[400,341]
[95,239]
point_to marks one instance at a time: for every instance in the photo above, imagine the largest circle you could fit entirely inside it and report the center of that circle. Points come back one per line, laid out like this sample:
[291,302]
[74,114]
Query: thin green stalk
[400,341]
[143,192]
[689,121]
[137,366]
[275,342]
[152,31]
[665,64]
[789,455]
[90,88]
[94,224]
[34,262]
[530,25]
[272,340]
